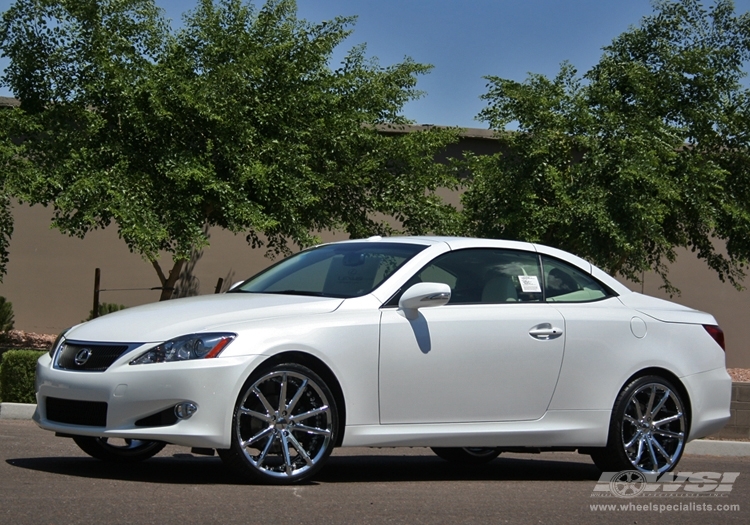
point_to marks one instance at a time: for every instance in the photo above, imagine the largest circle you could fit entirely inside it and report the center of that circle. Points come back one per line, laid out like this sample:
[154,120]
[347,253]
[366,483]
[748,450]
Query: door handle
[545,332]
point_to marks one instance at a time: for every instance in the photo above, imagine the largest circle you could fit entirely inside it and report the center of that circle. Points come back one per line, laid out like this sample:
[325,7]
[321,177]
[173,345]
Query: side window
[485,276]
[435,274]
[565,283]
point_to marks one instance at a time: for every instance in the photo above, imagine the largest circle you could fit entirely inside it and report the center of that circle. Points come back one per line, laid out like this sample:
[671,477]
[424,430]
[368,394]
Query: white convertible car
[468,346]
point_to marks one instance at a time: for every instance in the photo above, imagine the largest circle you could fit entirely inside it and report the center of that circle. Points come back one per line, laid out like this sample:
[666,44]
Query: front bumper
[134,392]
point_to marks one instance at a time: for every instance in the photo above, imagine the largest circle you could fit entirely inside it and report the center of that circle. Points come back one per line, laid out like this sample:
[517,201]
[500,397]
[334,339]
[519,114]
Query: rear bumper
[710,396]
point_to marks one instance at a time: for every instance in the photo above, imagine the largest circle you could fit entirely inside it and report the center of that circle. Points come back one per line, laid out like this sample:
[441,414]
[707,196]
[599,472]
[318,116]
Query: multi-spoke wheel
[119,450]
[284,425]
[467,455]
[648,428]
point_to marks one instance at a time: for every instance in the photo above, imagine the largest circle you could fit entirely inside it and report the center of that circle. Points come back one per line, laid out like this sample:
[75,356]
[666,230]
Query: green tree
[104,309]
[12,166]
[6,315]
[645,153]
[236,121]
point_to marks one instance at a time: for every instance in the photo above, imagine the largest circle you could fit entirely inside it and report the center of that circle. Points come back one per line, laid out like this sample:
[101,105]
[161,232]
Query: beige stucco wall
[51,277]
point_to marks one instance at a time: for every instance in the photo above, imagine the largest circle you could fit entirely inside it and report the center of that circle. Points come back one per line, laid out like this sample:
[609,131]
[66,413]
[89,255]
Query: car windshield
[334,270]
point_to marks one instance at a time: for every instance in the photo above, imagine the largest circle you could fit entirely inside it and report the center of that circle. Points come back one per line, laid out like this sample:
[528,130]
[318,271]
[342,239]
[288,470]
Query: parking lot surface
[44,479]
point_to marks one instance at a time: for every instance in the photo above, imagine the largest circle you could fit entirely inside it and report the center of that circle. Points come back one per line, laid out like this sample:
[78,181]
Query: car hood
[666,311]
[157,322]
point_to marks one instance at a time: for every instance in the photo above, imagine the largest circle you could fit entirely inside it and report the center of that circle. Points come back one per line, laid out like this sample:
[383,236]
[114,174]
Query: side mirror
[423,295]
[235,285]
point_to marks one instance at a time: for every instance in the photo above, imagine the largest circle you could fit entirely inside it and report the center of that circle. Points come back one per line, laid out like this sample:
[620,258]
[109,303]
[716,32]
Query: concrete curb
[17,410]
[712,447]
[699,447]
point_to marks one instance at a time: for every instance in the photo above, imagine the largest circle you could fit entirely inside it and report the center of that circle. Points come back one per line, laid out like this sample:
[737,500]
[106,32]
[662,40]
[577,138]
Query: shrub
[17,375]
[6,315]
[106,308]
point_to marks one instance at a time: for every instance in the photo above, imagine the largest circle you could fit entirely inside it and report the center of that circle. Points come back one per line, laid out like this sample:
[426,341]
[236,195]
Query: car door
[601,334]
[493,353]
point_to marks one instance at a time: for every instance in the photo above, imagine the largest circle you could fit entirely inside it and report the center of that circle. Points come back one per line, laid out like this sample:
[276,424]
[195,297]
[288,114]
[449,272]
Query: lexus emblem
[82,356]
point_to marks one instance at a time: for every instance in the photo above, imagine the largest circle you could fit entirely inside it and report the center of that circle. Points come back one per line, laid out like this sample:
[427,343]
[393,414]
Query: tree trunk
[167,283]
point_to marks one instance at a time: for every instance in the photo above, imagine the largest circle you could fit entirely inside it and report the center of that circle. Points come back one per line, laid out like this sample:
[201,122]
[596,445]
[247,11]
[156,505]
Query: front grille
[88,357]
[88,413]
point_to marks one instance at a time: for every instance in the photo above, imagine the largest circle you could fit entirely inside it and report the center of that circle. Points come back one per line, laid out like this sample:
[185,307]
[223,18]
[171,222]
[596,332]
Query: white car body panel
[157,322]
[666,311]
[470,346]
[458,375]
[709,394]
[603,341]
[557,428]
[131,394]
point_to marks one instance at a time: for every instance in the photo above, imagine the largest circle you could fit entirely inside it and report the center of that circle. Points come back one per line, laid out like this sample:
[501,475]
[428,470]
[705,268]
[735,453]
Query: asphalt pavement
[47,479]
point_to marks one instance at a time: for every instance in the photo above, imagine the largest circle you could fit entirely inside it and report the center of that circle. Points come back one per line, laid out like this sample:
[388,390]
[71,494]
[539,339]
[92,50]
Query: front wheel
[118,450]
[648,428]
[467,455]
[284,426]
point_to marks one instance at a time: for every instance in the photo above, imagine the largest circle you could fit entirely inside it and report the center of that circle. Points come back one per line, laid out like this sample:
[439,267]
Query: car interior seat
[500,289]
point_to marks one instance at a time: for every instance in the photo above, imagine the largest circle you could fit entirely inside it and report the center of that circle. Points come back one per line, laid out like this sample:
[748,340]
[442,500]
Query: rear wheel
[648,428]
[118,450]
[467,455]
[284,426]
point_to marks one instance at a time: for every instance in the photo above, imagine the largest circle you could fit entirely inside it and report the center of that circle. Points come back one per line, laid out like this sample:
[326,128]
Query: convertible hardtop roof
[409,239]
[453,242]
[456,243]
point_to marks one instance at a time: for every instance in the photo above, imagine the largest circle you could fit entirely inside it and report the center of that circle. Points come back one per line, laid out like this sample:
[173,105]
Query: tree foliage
[645,153]
[7,320]
[104,309]
[12,167]
[236,121]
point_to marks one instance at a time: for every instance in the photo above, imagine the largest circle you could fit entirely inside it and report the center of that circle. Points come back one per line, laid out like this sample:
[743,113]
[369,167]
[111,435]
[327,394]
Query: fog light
[185,410]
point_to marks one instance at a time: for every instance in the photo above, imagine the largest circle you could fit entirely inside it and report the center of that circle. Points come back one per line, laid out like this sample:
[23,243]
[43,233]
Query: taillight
[717,333]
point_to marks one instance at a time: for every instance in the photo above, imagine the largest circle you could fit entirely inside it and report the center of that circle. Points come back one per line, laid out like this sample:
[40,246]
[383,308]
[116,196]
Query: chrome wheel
[653,428]
[119,450]
[284,425]
[648,428]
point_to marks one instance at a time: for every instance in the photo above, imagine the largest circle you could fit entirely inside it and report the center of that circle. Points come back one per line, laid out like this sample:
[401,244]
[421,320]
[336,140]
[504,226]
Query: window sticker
[529,284]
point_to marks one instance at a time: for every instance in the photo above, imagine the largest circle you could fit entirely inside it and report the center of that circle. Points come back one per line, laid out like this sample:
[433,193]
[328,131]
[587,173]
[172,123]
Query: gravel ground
[739,375]
[21,339]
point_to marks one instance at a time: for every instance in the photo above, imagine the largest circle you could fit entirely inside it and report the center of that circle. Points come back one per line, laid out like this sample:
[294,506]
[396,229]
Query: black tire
[284,426]
[648,428]
[131,451]
[467,455]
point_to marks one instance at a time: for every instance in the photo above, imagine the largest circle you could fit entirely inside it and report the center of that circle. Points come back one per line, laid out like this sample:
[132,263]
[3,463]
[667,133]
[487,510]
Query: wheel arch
[613,457]
[672,378]
[320,368]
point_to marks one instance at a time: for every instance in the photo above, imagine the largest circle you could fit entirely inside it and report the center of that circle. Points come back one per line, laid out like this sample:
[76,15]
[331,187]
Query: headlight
[58,341]
[186,347]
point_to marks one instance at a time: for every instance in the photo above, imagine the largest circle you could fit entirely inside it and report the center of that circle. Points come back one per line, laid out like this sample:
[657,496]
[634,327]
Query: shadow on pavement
[353,469]
[182,469]
[172,470]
